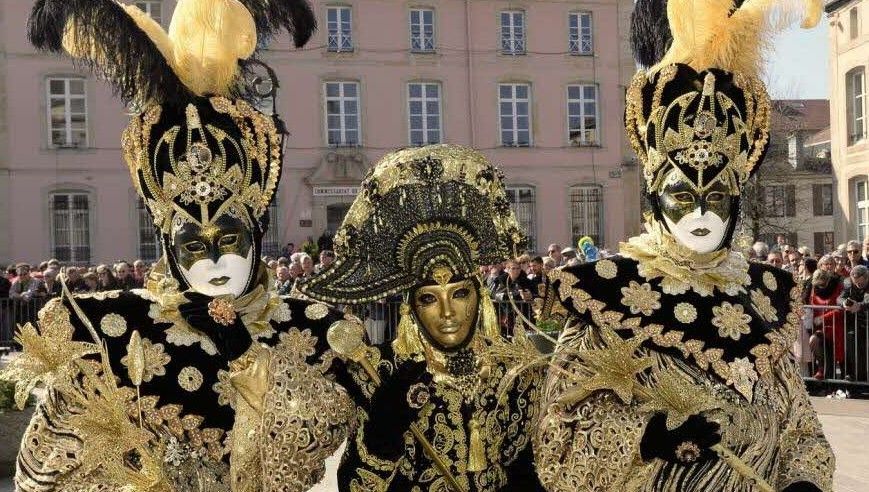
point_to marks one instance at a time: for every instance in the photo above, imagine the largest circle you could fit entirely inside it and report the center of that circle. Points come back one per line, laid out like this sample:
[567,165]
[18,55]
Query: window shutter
[817,199]
[790,201]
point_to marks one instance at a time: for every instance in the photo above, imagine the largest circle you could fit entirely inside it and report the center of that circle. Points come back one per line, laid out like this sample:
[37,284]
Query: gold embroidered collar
[659,255]
[257,308]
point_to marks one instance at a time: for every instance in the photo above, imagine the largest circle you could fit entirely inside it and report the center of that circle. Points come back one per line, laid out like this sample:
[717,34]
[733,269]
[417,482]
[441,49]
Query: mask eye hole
[715,196]
[683,197]
[462,293]
[194,247]
[228,240]
[426,299]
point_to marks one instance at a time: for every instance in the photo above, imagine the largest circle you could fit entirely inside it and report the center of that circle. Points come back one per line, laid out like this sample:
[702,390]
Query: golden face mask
[447,312]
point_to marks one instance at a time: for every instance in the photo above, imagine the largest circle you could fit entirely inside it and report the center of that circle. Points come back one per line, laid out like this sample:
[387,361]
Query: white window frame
[582,101]
[343,115]
[513,34]
[73,234]
[580,38]
[855,94]
[67,98]
[423,100]
[146,234]
[153,8]
[514,102]
[514,196]
[861,208]
[422,33]
[338,39]
[589,210]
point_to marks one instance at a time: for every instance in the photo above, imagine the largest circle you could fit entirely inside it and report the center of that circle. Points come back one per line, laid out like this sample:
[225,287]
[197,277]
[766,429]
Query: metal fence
[17,312]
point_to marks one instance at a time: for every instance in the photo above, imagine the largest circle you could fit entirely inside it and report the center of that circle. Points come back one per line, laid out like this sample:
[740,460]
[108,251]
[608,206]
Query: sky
[798,69]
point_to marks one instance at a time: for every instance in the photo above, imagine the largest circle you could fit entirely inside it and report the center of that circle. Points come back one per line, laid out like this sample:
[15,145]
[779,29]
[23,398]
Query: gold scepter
[346,338]
[615,366]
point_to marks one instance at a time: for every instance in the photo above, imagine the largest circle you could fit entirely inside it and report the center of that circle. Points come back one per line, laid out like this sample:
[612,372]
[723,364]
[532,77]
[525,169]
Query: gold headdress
[196,150]
[702,110]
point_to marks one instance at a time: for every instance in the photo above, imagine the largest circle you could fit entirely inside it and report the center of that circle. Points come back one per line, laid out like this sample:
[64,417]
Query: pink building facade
[538,86]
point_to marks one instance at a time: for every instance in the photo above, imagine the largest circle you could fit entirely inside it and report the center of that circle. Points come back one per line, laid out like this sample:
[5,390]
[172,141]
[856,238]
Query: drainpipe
[472,100]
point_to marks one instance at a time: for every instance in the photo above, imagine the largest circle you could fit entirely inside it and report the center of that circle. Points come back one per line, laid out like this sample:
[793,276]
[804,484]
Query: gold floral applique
[731,320]
[769,281]
[742,377]
[155,360]
[763,306]
[607,269]
[113,325]
[226,392]
[641,298]
[190,379]
[685,313]
[316,311]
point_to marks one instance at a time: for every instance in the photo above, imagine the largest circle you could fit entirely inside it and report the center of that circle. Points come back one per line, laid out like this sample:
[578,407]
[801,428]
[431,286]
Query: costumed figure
[674,372]
[436,412]
[205,380]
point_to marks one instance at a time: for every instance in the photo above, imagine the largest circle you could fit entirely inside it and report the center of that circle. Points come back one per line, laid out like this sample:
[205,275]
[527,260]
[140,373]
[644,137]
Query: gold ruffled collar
[680,269]
[256,309]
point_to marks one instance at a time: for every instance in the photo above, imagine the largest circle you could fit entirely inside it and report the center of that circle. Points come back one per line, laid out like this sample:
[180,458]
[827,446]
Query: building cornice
[834,5]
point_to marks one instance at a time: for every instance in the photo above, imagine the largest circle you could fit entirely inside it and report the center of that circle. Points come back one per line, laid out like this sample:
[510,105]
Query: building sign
[336,190]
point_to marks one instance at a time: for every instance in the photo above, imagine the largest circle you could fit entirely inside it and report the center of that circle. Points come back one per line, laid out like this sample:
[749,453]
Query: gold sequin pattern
[190,379]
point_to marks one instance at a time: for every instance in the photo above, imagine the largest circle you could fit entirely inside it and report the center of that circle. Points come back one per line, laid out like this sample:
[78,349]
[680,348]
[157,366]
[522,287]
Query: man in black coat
[854,300]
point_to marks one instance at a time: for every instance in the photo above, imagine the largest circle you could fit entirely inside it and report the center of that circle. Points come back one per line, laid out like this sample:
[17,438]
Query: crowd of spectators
[834,345]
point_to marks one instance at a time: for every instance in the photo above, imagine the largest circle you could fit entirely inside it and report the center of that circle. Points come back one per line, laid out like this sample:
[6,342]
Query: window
[579,38]
[523,202]
[855,100]
[424,110]
[513,32]
[272,239]
[154,8]
[339,23]
[824,242]
[793,148]
[67,112]
[586,212]
[514,110]
[854,18]
[582,115]
[70,227]
[780,200]
[149,243]
[342,113]
[822,199]
[422,37]
[862,208]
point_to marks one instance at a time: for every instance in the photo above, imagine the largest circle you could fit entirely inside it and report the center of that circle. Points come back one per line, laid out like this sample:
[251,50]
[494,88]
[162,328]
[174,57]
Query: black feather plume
[272,16]
[650,31]
[129,60]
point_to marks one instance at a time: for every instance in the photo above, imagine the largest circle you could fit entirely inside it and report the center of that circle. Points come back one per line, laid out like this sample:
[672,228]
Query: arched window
[586,212]
[69,214]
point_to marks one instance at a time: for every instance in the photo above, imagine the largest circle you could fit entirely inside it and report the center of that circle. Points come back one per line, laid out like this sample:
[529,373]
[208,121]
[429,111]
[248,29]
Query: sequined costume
[700,340]
[432,214]
[166,389]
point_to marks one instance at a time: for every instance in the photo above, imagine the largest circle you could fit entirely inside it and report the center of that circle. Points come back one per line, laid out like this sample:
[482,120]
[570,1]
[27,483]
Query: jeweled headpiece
[196,149]
[421,212]
[702,110]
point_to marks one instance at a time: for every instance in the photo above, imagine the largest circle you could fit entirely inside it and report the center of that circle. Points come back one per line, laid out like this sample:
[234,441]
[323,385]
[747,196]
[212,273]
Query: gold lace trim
[659,255]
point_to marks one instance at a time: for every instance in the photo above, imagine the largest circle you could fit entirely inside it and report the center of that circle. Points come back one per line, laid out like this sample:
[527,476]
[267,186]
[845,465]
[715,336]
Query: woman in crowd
[827,342]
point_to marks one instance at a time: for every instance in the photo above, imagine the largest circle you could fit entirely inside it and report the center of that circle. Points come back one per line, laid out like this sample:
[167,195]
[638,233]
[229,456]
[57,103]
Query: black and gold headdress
[702,109]
[196,149]
[441,207]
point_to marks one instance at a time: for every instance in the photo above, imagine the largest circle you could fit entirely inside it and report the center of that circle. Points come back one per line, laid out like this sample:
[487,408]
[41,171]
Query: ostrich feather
[726,35]
[272,16]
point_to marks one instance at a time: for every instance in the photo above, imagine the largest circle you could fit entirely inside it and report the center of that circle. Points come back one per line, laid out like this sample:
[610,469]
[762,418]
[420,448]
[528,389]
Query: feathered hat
[419,210]
[196,149]
[702,109]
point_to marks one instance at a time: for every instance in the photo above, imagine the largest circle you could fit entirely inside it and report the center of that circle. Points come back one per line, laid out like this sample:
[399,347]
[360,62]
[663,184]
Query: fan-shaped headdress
[420,209]
[196,149]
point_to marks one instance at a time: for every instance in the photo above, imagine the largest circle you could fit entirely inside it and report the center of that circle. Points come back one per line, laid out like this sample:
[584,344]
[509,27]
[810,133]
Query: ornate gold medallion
[641,298]
[113,325]
[316,311]
[607,269]
[685,313]
[222,311]
[731,320]
[190,379]
[769,281]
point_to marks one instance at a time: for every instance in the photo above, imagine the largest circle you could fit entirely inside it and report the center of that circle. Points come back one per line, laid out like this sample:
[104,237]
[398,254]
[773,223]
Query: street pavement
[846,424]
